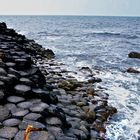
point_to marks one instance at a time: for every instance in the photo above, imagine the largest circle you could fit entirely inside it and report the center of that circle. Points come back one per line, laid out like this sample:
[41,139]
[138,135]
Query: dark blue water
[102,43]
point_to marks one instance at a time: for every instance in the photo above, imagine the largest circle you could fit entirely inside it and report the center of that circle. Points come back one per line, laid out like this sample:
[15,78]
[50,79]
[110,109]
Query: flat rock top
[11,122]
[8,132]
[35,124]
[25,105]
[53,121]
[32,116]
[19,112]
[15,99]
[22,88]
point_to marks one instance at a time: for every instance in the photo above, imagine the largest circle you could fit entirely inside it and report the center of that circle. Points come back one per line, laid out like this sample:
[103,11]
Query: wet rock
[89,116]
[32,116]
[112,110]
[15,99]
[11,122]
[22,89]
[4,113]
[134,55]
[8,132]
[49,53]
[81,104]
[35,124]
[94,80]
[132,70]
[86,69]
[68,84]
[90,91]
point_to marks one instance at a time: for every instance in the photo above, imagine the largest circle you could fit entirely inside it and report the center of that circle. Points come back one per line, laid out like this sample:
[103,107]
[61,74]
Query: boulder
[90,91]
[134,55]
[49,53]
[94,80]
[132,70]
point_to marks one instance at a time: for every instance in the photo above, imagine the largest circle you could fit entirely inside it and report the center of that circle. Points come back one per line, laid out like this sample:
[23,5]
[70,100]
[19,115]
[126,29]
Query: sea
[102,44]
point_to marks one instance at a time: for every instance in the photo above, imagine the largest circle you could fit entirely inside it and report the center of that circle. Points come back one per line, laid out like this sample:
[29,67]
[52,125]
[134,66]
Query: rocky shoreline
[35,90]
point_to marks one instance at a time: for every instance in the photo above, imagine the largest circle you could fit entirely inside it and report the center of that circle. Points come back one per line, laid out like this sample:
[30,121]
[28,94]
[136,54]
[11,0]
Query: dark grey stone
[26,81]
[15,99]
[54,121]
[2,71]
[35,124]
[32,116]
[11,122]
[55,130]
[22,89]
[10,106]
[41,135]
[39,107]
[25,105]
[8,132]
[1,94]
[19,112]
[4,113]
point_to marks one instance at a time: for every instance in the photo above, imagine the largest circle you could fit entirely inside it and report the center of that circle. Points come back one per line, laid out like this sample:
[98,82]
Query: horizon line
[69,15]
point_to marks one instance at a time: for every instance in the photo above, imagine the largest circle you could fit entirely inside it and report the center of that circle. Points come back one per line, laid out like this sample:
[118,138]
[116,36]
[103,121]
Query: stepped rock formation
[34,91]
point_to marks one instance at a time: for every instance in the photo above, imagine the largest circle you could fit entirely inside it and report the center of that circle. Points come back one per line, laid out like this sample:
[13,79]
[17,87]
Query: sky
[70,7]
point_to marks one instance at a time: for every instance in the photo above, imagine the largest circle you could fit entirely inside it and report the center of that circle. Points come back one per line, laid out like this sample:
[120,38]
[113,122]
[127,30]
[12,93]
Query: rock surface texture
[35,90]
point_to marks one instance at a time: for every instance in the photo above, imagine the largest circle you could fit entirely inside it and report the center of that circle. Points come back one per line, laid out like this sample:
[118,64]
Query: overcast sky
[71,7]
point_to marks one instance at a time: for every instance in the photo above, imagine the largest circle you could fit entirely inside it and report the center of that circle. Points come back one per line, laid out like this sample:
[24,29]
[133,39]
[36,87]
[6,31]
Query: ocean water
[103,44]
